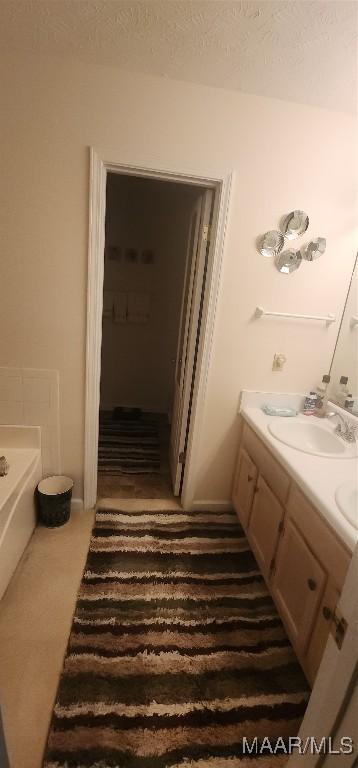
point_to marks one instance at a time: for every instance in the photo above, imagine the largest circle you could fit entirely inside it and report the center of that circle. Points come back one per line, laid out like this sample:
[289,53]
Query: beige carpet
[35,621]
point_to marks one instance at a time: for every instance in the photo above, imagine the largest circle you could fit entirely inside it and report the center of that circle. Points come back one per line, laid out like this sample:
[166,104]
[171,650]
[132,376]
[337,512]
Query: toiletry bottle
[322,397]
[309,405]
[342,391]
[349,403]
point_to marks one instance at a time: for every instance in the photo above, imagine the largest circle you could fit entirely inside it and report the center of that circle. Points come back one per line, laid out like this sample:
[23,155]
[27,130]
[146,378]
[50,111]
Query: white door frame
[221,180]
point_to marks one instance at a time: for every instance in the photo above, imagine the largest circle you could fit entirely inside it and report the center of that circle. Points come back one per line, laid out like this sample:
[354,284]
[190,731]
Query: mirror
[345,356]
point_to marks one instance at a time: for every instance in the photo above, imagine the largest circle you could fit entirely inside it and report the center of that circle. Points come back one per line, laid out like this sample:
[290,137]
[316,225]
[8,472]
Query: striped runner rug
[128,447]
[176,651]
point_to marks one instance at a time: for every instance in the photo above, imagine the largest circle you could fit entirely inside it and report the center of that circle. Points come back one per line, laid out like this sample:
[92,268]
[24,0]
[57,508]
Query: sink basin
[347,501]
[310,438]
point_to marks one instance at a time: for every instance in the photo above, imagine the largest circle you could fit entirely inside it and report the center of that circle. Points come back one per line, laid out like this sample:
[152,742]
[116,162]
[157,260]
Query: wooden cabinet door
[264,527]
[298,585]
[244,487]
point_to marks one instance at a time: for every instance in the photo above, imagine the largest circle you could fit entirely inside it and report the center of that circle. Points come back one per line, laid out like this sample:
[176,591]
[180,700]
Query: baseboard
[77,505]
[212,506]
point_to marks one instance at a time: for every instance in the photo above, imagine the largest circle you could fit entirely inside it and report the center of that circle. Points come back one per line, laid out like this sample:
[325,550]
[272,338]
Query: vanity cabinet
[333,557]
[301,558]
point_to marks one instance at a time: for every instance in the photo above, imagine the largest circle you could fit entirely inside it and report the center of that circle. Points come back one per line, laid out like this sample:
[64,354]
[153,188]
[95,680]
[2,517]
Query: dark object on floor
[128,447]
[54,500]
[126,414]
[176,650]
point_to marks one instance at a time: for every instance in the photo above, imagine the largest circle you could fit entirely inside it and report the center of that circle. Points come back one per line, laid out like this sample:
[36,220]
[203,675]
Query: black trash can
[54,499]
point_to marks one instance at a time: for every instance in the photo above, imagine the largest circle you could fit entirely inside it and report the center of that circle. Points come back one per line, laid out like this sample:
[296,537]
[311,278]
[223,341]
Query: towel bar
[327,318]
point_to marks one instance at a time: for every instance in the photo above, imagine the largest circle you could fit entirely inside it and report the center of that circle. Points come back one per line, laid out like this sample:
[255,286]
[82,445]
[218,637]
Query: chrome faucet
[346,429]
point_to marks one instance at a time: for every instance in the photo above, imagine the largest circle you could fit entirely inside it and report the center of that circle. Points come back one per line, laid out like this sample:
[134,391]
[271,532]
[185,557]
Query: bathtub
[22,448]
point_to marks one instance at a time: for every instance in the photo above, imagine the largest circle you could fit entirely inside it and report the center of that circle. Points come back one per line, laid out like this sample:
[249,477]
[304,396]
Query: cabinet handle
[327,613]
[311,584]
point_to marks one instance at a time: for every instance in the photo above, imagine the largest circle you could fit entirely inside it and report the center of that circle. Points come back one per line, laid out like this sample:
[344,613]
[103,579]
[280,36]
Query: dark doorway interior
[147,225]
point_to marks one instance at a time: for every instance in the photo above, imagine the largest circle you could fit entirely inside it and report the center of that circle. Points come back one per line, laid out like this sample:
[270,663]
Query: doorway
[220,182]
[155,266]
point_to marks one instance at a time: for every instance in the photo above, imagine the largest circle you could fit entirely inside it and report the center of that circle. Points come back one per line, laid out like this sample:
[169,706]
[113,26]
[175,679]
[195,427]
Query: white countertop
[318,477]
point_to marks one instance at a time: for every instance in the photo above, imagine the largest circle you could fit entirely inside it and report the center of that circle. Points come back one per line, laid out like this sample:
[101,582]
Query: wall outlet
[279,360]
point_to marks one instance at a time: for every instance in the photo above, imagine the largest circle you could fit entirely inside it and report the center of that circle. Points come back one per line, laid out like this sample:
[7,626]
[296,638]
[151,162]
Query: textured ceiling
[297,50]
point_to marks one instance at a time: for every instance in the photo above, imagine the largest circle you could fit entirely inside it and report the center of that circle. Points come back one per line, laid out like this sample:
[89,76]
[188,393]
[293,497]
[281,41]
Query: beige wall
[284,156]
[137,359]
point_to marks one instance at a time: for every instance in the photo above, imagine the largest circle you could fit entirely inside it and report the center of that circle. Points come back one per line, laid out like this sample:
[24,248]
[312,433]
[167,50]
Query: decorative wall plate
[314,249]
[272,243]
[295,224]
[288,261]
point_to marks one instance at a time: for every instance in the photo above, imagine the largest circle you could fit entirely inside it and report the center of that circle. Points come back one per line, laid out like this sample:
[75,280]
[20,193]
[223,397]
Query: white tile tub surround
[22,448]
[30,396]
[20,436]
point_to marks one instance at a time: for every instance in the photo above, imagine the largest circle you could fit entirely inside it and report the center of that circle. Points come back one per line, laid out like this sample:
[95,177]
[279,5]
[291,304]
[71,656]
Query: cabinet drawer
[331,553]
[272,471]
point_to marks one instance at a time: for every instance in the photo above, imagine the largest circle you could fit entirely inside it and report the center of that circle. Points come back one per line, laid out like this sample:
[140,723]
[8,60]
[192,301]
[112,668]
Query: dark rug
[128,447]
[176,650]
